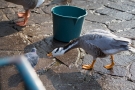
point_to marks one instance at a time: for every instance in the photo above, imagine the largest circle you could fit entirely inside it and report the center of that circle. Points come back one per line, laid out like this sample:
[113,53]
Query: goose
[98,43]
[27,5]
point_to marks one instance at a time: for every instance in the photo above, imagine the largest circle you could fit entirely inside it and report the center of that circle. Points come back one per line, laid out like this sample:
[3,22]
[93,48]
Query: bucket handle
[75,20]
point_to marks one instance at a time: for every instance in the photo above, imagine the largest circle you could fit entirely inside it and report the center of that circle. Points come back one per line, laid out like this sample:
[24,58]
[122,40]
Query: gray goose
[99,43]
[27,5]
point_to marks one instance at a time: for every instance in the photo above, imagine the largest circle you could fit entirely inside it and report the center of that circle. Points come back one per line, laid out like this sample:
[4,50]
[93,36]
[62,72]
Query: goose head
[56,52]
[62,50]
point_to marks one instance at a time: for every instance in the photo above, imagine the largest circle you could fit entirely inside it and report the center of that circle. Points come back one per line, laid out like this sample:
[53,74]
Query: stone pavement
[118,16]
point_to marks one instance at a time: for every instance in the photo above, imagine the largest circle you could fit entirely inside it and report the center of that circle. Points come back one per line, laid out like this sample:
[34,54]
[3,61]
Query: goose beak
[49,55]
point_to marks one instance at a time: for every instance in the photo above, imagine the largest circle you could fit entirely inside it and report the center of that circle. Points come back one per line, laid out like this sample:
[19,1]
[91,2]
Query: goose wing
[27,4]
[19,2]
[108,43]
[100,31]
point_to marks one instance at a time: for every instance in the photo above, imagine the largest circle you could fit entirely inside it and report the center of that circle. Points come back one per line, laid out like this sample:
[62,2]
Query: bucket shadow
[72,81]
[8,28]
[44,46]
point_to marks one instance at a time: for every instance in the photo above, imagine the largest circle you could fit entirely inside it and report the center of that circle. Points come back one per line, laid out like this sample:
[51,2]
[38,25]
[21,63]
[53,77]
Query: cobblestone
[65,72]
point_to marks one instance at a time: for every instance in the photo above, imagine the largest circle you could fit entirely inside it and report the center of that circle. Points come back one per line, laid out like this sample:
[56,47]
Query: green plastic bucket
[67,22]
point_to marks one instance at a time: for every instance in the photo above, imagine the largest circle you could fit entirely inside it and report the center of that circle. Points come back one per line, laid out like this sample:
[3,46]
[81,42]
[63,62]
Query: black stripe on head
[57,50]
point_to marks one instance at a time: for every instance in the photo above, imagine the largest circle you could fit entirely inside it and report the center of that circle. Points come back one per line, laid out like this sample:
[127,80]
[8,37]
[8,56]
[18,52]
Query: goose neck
[71,45]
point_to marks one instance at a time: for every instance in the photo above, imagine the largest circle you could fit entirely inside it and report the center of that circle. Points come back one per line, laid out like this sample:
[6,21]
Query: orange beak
[49,55]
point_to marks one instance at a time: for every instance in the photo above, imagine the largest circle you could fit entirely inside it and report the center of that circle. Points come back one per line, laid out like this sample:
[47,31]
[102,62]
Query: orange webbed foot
[87,67]
[110,66]
[23,15]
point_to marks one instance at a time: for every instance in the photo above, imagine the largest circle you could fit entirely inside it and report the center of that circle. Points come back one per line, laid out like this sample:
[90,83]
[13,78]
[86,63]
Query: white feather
[111,51]
[59,52]
[39,2]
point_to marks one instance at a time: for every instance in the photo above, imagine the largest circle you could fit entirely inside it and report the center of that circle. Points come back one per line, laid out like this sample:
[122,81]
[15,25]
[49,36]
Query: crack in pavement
[44,70]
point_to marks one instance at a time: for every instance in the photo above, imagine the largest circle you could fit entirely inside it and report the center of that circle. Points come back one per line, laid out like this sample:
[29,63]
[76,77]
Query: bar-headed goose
[27,5]
[99,43]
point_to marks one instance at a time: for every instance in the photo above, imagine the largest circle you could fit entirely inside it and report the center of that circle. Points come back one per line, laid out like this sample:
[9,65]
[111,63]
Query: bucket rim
[69,16]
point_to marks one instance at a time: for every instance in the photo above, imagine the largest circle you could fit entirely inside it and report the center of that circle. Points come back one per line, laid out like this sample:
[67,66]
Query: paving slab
[115,83]
[115,13]
[94,17]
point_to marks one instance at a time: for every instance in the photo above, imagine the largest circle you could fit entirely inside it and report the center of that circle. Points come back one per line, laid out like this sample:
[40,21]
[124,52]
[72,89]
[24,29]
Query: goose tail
[130,38]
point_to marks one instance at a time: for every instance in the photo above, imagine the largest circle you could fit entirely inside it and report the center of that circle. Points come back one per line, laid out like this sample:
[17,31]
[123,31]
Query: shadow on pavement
[8,28]
[72,81]
[63,81]
[14,80]
[44,46]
